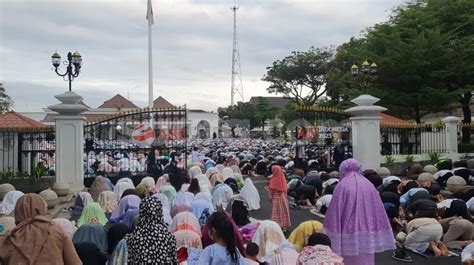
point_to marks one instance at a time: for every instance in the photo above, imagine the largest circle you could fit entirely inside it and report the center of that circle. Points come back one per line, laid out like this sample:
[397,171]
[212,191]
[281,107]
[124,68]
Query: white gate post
[366,131]
[70,140]
[451,124]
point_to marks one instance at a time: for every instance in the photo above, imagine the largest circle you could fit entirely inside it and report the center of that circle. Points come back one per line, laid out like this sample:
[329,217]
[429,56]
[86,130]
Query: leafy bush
[39,171]
[7,174]
[435,158]
[409,159]
[390,160]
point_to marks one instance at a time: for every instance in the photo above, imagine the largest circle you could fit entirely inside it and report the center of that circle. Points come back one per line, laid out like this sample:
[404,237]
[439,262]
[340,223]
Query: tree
[242,114]
[300,76]
[5,101]
[424,54]
[263,112]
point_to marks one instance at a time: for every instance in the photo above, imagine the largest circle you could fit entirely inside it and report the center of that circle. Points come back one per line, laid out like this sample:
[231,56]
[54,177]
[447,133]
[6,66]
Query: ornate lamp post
[369,73]
[74,63]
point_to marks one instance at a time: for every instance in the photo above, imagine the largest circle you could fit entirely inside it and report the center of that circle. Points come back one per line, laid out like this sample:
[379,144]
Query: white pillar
[366,131]
[70,140]
[451,124]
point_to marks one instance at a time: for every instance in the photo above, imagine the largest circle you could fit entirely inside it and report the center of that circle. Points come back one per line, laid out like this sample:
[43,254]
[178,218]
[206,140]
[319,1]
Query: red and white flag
[149,14]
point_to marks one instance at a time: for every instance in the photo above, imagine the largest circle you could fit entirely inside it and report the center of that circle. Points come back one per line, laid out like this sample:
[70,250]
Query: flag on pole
[149,14]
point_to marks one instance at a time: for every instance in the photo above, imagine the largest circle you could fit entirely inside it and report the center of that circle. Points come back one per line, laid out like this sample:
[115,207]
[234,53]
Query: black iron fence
[138,143]
[466,138]
[27,152]
[412,139]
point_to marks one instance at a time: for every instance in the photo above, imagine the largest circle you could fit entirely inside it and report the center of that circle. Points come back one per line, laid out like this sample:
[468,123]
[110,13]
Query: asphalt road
[298,216]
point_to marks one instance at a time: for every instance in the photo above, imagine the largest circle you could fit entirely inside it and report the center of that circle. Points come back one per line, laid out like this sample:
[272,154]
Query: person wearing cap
[455,183]
[383,172]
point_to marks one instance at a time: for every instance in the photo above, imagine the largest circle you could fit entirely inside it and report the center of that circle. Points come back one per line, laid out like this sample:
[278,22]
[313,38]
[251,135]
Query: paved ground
[298,216]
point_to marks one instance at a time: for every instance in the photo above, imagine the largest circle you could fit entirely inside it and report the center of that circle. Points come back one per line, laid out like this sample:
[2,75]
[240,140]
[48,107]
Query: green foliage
[301,76]
[409,159]
[435,158]
[39,171]
[5,101]
[7,174]
[424,54]
[390,160]
[240,111]
[264,111]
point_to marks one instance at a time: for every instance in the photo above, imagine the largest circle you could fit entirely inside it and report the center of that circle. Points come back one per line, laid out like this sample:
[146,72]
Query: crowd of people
[203,215]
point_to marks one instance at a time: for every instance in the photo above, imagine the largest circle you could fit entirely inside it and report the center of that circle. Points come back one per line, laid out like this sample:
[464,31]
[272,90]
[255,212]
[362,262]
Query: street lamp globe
[354,70]
[373,69]
[56,59]
[77,59]
[365,67]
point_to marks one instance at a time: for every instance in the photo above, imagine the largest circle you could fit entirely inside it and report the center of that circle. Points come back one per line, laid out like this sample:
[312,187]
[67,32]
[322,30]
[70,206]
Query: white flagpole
[150,56]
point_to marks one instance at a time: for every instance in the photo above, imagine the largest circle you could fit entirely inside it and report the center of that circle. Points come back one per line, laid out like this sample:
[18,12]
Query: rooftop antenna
[236,86]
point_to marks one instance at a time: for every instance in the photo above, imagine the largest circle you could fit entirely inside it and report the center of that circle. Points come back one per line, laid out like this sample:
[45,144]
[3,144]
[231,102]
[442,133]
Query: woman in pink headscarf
[356,220]
[277,190]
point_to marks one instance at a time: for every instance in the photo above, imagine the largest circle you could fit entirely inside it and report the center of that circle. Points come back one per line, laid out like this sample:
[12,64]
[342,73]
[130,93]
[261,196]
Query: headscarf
[235,169]
[204,196]
[166,208]
[120,254]
[160,183]
[90,254]
[127,180]
[179,209]
[278,180]
[68,227]
[268,237]
[184,197]
[93,233]
[82,200]
[319,254]
[186,221]
[151,241]
[220,168]
[202,209]
[126,210]
[299,236]
[116,233]
[221,196]
[356,221]
[286,254]
[98,186]
[209,164]
[109,184]
[92,214]
[216,178]
[107,201]
[169,191]
[9,201]
[210,171]
[120,187]
[187,239]
[32,230]
[250,194]
[204,181]
[227,173]
[240,213]
[149,182]
[194,172]
[8,223]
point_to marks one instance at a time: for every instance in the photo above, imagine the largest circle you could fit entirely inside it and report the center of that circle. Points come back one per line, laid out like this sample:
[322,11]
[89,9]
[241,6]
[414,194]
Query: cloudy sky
[192,45]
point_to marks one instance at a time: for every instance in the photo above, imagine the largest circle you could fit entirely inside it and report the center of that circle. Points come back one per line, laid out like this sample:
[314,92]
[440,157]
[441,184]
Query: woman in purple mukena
[356,220]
